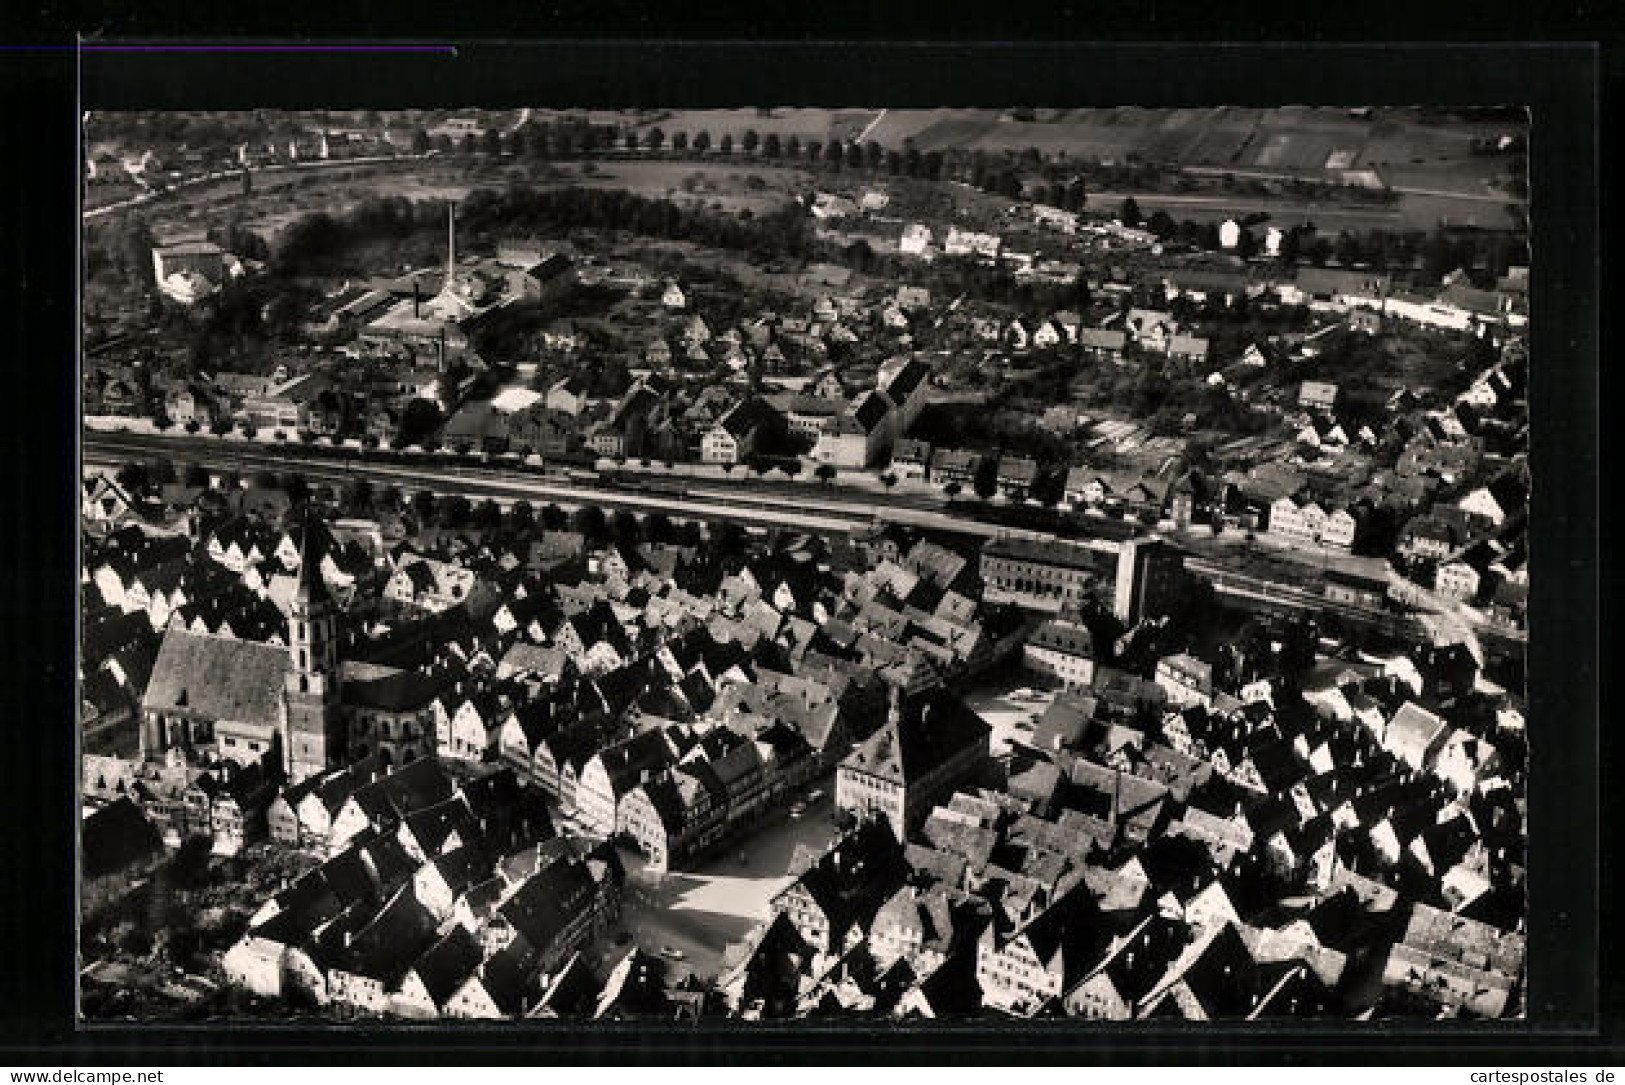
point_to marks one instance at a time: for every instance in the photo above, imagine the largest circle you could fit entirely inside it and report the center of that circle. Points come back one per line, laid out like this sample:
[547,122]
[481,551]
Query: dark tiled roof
[925,736]
[218,678]
[115,836]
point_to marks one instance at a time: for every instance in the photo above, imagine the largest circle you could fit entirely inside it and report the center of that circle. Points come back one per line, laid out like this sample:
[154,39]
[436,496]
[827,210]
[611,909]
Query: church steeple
[312,588]
[311,617]
[312,738]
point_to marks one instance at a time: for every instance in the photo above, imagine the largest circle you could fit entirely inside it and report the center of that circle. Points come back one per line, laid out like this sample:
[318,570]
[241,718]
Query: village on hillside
[802,564]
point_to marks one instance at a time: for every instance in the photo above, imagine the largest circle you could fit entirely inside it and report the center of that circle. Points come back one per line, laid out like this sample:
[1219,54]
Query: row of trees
[1431,255]
[571,138]
[545,140]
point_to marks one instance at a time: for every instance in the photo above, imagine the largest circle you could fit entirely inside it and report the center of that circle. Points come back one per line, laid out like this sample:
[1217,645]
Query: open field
[746,184]
[1298,139]
[279,198]
[1438,179]
[807,125]
[1412,211]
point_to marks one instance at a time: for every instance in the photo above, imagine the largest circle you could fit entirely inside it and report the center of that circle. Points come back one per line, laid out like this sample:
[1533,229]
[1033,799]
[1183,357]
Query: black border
[1560,83]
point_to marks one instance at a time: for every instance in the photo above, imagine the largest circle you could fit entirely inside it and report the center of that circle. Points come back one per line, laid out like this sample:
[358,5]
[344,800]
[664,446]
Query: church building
[217,698]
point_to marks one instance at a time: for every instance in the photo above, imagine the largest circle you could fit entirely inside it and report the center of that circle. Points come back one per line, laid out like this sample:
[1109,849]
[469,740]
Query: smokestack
[451,243]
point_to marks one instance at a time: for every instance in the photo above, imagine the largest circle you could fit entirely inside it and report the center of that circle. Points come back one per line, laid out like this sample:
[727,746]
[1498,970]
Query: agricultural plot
[1219,146]
[931,129]
[1424,212]
[805,124]
[1415,144]
[1296,151]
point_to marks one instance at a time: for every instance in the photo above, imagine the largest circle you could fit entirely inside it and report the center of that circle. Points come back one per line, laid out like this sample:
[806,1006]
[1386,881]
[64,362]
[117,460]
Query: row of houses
[440,903]
[1245,857]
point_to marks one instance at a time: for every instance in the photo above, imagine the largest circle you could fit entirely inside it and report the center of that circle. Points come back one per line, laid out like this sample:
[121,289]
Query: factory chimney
[451,245]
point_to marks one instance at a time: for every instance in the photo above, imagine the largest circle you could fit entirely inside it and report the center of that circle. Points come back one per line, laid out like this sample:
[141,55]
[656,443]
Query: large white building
[189,271]
[1307,524]
[860,436]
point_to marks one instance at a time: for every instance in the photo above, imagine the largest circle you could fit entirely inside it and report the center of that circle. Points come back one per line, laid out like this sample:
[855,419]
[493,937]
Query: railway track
[564,487]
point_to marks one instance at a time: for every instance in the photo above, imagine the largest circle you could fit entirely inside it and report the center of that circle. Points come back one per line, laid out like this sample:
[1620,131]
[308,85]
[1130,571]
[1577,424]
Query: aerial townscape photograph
[785,564]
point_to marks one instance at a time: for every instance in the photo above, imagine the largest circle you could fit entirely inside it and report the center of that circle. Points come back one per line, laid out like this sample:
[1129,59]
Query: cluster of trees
[1485,254]
[188,908]
[240,241]
[782,233]
[321,243]
[237,328]
[522,518]
[155,127]
[122,250]
[576,137]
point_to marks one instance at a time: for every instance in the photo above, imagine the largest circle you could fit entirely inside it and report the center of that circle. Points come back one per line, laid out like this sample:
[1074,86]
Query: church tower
[313,736]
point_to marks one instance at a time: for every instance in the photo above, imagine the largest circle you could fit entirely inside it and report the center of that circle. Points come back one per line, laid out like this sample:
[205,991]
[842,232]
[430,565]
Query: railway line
[566,487]
[481,481]
[682,498]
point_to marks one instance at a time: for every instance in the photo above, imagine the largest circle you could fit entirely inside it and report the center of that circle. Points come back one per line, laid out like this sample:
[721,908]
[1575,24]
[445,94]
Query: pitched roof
[409,788]
[447,964]
[115,836]
[872,410]
[925,736]
[399,691]
[549,900]
[906,380]
[386,948]
[218,678]
[1102,338]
